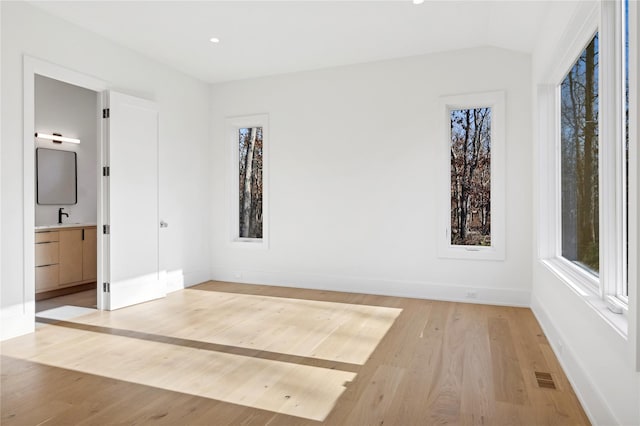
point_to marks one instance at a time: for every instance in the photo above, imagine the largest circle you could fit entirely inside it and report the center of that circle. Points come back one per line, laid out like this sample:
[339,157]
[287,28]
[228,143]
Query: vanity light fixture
[56,138]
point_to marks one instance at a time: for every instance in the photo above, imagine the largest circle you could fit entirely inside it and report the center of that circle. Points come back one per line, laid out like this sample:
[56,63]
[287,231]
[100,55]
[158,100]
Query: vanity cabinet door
[70,256]
[89,254]
[47,253]
[47,277]
[47,258]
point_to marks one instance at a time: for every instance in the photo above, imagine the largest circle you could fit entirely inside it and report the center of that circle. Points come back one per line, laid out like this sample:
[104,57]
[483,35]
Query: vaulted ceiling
[271,37]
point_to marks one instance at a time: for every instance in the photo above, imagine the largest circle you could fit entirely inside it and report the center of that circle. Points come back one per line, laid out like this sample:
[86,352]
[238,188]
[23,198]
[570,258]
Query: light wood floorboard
[233,354]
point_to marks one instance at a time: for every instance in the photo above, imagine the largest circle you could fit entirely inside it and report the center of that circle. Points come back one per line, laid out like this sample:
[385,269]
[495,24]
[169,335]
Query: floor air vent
[545,380]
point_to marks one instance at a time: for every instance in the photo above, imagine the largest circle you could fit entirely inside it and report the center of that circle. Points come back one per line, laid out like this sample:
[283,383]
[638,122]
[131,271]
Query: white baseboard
[413,289]
[178,280]
[592,400]
[137,290]
[175,281]
[16,322]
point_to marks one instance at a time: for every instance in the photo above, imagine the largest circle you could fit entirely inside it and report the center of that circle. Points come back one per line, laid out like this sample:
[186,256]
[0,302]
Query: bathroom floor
[83,299]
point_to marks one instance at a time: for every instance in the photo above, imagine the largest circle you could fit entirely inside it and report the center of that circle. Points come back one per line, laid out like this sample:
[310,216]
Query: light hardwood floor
[232,354]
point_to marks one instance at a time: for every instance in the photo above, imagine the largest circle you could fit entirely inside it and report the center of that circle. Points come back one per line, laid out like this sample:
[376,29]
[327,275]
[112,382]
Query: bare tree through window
[471,177]
[579,160]
[250,144]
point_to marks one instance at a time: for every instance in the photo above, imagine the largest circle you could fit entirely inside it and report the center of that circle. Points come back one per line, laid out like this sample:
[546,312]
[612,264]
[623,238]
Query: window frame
[579,274]
[496,101]
[617,9]
[233,125]
[603,293]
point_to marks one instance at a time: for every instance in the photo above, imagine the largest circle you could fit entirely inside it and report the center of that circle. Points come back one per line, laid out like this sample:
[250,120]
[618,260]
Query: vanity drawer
[47,277]
[47,253]
[47,236]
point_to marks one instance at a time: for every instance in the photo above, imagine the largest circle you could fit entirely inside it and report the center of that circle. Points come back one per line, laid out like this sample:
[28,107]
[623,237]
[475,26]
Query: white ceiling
[273,37]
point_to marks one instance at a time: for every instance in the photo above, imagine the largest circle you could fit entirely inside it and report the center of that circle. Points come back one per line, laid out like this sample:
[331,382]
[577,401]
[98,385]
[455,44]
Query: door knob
[163,224]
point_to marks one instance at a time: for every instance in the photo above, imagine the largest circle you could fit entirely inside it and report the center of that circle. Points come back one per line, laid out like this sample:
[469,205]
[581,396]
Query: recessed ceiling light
[214,40]
[418,1]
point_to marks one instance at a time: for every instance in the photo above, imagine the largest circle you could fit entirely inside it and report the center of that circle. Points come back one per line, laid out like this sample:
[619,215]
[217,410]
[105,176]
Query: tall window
[248,139]
[584,222]
[250,182]
[579,161]
[471,177]
[472,210]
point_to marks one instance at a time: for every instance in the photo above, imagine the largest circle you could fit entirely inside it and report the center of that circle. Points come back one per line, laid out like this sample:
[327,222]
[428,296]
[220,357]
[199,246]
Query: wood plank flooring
[232,354]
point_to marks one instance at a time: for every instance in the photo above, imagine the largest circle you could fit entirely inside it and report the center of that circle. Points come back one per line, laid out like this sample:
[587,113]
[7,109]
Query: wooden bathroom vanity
[66,256]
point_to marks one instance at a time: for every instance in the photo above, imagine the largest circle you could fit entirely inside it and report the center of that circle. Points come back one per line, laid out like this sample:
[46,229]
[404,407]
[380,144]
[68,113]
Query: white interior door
[131,245]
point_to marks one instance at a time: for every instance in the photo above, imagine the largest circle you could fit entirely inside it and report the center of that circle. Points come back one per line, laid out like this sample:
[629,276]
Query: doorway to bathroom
[67,146]
[125,177]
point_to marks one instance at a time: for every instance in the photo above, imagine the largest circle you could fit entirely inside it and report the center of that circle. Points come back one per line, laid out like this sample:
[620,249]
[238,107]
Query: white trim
[137,290]
[496,101]
[2,311]
[556,189]
[175,281]
[584,23]
[634,183]
[594,403]
[619,290]
[368,285]
[178,280]
[570,276]
[575,274]
[611,155]
[16,321]
[233,124]
[547,171]
[31,67]
[103,203]
[604,18]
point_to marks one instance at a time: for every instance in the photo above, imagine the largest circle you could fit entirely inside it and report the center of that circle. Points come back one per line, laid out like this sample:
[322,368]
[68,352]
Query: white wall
[71,111]
[353,177]
[595,357]
[184,105]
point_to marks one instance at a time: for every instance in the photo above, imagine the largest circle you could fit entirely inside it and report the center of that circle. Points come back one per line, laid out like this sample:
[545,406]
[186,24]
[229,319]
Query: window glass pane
[579,161]
[250,182]
[471,177]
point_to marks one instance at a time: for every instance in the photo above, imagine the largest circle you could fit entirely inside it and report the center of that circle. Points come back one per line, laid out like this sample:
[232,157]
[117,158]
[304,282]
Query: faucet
[60,214]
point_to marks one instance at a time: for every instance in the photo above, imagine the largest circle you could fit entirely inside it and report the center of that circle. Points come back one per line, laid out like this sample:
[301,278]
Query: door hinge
[106,229]
[105,113]
[106,171]
[106,287]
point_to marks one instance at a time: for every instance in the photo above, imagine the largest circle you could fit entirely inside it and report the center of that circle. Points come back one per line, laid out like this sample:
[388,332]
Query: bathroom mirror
[56,177]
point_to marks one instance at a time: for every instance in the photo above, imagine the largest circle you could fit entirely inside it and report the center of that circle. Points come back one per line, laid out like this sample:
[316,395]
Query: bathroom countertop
[64,225]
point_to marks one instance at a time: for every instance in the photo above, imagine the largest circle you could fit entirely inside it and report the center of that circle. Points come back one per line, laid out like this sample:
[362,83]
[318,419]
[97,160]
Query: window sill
[252,243]
[470,253]
[582,288]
